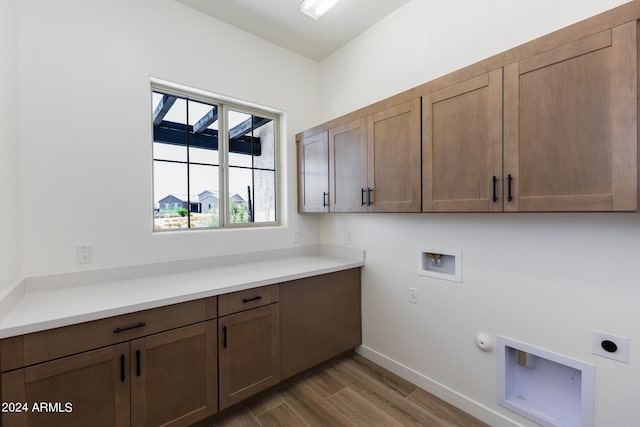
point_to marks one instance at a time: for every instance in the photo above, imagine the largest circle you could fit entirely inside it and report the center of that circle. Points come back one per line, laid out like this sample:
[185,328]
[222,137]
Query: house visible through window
[214,164]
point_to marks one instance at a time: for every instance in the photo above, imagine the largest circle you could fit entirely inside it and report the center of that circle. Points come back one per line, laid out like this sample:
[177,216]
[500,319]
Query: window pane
[240,138]
[170,195]
[169,152]
[240,195]
[173,110]
[203,132]
[264,205]
[205,196]
[169,127]
[201,155]
[264,157]
[236,159]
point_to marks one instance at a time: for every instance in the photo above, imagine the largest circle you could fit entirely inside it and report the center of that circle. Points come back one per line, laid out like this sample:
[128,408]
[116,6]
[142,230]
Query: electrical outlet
[296,237]
[84,253]
[413,295]
[611,346]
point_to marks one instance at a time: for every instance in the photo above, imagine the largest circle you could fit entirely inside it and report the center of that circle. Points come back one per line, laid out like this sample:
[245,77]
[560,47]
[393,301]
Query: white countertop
[36,308]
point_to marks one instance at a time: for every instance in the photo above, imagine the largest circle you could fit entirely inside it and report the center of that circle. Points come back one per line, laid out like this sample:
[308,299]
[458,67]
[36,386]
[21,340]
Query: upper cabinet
[462,146]
[570,126]
[373,164]
[313,173]
[549,126]
[570,133]
[393,144]
[348,167]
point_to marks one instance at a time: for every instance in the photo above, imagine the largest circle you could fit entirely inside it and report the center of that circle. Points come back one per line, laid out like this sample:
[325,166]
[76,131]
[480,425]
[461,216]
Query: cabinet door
[348,167]
[174,376]
[95,384]
[571,126]
[320,318]
[462,146]
[313,173]
[394,178]
[249,352]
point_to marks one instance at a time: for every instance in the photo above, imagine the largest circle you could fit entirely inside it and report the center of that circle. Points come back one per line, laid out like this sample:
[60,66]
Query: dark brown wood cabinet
[235,302]
[373,163]
[393,144]
[249,353]
[174,365]
[165,378]
[570,126]
[568,141]
[313,173]
[174,376]
[462,146]
[548,126]
[348,167]
[96,385]
[162,379]
[320,318]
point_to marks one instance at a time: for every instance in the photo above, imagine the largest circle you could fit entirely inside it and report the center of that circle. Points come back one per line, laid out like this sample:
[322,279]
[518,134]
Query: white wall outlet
[347,238]
[611,346]
[413,296]
[296,237]
[84,253]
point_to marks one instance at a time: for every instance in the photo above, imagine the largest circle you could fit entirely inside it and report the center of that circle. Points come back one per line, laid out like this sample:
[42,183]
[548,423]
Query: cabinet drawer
[244,300]
[54,343]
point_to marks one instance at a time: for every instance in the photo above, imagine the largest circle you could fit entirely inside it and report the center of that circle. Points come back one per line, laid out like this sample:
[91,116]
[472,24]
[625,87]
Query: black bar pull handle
[362,197]
[122,377]
[256,298]
[494,181]
[369,190]
[509,180]
[138,362]
[325,199]
[126,328]
[224,336]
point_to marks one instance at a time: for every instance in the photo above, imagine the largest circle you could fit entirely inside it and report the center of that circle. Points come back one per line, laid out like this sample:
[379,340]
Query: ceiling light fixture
[316,8]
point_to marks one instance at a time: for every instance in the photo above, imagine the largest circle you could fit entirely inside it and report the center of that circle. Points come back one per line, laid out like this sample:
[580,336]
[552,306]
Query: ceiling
[282,23]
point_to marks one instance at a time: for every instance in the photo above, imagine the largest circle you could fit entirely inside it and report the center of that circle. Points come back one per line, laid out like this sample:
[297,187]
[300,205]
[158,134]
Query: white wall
[545,279]
[85,157]
[10,219]
[86,135]
[427,39]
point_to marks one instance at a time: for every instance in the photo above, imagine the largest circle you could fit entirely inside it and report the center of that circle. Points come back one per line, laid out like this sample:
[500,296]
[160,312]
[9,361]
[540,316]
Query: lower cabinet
[88,389]
[249,352]
[163,379]
[320,318]
[174,376]
[175,365]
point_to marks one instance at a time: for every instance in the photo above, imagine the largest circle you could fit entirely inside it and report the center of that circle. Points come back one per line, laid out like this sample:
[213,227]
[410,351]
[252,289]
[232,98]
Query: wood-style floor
[350,392]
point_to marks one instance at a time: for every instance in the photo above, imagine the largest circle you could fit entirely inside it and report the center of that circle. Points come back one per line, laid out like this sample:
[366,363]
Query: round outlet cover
[609,346]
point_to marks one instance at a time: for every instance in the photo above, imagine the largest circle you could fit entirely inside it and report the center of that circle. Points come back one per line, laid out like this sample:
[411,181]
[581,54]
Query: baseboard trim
[445,393]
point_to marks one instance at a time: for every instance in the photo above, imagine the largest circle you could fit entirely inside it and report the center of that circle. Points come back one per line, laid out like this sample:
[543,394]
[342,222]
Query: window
[214,163]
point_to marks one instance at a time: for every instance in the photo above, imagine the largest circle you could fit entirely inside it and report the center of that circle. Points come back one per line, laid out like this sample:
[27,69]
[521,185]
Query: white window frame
[224,105]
